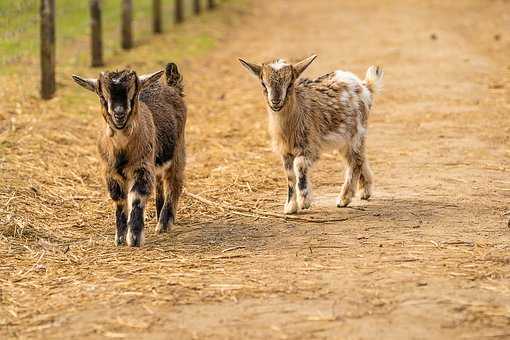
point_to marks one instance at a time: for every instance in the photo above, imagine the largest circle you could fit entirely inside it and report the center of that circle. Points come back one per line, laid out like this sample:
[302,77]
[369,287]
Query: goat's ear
[253,68]
[303,64]
[88,83]
[148,79]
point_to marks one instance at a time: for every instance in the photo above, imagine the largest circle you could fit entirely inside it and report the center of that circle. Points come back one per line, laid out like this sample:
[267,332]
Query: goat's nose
[118,111]
[275,101]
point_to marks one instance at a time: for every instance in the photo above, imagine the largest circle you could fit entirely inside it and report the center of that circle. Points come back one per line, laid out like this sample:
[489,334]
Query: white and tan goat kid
[307,115]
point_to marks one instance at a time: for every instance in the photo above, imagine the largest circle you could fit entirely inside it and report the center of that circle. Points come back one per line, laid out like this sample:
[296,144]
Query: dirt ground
[427,258]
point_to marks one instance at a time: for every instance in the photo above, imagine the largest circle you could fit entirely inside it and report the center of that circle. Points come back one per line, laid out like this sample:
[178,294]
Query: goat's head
[118,93]
[277,79]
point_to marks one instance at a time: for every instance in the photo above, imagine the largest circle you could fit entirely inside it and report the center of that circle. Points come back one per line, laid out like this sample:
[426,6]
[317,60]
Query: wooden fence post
[96,33]
[127,23]
[157,23]
[179,11]
[47,12]
[196,7]
[211,4]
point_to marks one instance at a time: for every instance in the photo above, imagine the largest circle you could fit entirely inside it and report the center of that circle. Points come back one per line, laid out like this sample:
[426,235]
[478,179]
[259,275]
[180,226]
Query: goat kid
[307,115]
[142,145]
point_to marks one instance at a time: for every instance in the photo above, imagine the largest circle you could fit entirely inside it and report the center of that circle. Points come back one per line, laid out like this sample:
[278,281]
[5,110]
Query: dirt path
[427,258]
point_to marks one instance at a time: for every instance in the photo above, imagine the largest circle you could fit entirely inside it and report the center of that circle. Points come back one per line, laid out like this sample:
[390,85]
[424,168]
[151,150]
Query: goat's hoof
[365,196]
[366,193]
[342,202]
[304,202]
[120,240]
[160,228]
[290,207]
[135,239]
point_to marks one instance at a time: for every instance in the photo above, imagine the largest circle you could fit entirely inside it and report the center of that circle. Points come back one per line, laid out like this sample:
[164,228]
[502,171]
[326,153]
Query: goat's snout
[119,112]
[119,116]
[276,104]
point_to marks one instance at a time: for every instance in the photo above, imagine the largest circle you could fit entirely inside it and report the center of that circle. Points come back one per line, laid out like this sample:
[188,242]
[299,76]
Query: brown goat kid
[142,145]
[305,116]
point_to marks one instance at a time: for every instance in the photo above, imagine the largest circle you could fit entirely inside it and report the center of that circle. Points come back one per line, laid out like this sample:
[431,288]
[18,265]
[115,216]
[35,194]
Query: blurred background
[20,26]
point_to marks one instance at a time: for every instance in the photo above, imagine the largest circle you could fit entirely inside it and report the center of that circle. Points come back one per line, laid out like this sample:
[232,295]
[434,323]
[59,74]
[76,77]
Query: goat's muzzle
[119,117]
[276,104]
[276,107]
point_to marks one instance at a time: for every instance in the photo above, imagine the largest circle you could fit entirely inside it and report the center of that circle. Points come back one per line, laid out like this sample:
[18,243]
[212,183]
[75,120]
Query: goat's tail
[174,78]
[373,79]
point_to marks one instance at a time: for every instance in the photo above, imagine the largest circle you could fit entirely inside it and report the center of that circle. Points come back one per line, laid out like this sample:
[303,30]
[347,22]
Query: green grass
[19,28]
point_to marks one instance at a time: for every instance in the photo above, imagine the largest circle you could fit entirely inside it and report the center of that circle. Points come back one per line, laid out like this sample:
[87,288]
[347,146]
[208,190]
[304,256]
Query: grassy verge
[19,29]
[19,95]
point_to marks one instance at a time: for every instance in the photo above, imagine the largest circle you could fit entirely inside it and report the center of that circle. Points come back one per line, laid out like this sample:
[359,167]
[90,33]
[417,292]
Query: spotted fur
[308,115]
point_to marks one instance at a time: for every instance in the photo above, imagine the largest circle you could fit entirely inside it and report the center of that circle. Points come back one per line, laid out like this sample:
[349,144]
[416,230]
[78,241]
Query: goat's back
[169,114]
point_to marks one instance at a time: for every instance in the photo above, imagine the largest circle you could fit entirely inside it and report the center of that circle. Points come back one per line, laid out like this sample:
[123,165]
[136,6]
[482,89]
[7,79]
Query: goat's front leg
[291,203]
[141,188]
[118,195]
[302,166]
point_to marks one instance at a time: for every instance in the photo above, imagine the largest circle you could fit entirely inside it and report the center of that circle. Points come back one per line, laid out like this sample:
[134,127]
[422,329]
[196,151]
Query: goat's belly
[334,140]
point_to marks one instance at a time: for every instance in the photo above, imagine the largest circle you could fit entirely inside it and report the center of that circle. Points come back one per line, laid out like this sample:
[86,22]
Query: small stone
[496,86]
[433,36]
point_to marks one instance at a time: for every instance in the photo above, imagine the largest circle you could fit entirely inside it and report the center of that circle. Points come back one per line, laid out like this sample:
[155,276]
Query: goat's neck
[285,125]
[286,120]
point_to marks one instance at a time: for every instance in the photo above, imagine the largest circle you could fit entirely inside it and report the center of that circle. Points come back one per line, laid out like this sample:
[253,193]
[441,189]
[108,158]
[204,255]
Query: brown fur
[144,150]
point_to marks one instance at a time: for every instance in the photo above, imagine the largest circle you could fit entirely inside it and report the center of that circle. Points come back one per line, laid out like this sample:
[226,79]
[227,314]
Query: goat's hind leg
[173,182]
[160,196]
[353,171]
[366,181]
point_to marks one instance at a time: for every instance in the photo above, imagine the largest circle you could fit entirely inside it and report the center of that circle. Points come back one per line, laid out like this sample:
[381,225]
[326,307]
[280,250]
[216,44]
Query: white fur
[347,78]
[344,98]
[290,207]
[352,81]
[132,196]
[278,65]
[374,78]
[366,96]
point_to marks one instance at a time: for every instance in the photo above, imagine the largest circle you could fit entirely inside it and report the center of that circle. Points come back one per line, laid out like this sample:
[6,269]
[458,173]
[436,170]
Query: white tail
[373,79]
